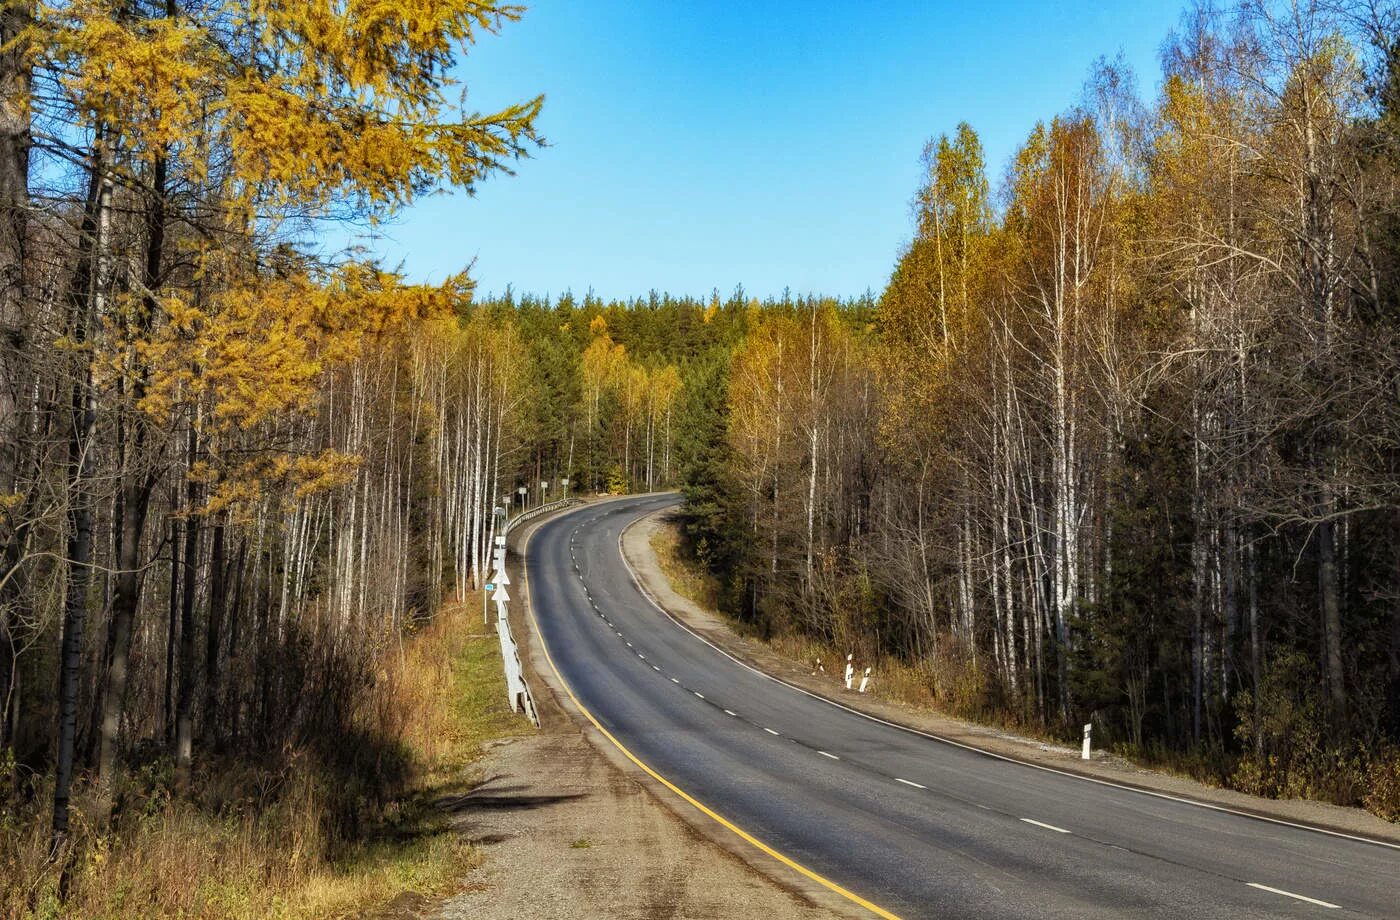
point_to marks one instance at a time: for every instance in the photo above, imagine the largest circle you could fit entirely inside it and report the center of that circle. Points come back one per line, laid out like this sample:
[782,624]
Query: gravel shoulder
[638,551]
[569,830]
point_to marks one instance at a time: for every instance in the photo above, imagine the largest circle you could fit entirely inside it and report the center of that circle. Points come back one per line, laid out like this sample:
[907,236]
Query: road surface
[898,822]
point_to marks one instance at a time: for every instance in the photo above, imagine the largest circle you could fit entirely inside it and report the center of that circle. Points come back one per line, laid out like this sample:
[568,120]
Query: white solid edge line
[1300,897]
[976,750]
[1048,827]
[770,731]
[909,783]
[825,754]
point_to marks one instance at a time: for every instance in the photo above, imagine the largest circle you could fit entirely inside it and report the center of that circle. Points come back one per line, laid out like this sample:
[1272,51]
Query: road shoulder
[637,550]
[571,830]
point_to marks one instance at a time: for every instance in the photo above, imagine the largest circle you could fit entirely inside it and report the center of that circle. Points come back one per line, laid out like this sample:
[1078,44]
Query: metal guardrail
[524,516]
[516,689]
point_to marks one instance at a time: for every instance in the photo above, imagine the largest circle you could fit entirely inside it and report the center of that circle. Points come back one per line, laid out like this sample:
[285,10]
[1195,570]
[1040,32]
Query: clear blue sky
[700,144]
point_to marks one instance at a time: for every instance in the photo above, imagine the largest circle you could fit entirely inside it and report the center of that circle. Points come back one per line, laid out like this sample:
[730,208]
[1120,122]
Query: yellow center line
[724,822]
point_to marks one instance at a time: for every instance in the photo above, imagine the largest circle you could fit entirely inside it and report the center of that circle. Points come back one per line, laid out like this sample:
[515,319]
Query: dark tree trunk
[232,703]
[1330,589]
[184,703]
[15,143]
[172,633]
[135,501]
[87,291]
[217,606]
[14,204]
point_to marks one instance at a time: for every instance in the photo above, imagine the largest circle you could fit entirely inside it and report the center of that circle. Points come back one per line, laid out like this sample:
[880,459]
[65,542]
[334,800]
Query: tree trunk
[135,496]
[1332,623]
[89,302]
[184,703]
[217,606]
[172,632]
[15,142]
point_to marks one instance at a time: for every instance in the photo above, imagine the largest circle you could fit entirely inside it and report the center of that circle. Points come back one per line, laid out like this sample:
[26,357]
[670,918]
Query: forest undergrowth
[331,826]
[947,682]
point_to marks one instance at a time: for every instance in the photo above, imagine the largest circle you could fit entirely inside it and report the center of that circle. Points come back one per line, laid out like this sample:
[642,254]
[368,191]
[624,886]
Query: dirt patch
[640,554]
[566,835]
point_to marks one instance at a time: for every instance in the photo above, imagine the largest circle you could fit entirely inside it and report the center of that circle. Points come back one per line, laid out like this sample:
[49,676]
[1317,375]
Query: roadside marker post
[850,670]
[1087,729]
[865,680]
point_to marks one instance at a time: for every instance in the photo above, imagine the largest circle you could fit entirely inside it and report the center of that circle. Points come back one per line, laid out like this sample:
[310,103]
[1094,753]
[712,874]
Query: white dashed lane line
[1298,897]
[729,713]
[825,754]
[770,731]
[1048,827]
[909,783]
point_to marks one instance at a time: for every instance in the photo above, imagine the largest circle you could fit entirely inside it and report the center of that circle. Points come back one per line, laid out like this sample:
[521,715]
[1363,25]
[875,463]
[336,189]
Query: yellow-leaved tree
[201,141]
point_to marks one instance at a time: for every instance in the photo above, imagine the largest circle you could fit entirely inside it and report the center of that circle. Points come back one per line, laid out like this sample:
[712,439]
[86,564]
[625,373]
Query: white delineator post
[850,671]
[865,680]
[1087,729]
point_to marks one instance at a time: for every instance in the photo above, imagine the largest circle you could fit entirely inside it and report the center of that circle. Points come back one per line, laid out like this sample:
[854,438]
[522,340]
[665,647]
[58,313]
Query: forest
[1118,442]
[1119,445]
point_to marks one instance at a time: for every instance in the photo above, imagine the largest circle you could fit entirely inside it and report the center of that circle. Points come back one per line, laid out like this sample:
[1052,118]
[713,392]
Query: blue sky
[700,144]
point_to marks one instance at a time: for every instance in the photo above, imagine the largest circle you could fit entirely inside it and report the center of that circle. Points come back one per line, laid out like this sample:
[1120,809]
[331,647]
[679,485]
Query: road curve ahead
[913,826]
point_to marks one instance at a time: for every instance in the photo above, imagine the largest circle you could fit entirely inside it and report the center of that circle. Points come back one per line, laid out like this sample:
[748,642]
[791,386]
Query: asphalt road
[916,826]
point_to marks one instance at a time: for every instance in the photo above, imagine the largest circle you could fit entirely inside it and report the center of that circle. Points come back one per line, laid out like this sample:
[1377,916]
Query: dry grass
[687,579]
[270,842]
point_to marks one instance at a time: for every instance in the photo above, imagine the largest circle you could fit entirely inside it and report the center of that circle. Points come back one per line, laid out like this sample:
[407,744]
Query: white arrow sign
[500,594]
[500,577]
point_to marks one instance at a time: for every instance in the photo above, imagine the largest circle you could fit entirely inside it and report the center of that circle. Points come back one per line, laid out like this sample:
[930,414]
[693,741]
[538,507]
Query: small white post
[865,680]
[1087,729]
[850,670]
[819,669]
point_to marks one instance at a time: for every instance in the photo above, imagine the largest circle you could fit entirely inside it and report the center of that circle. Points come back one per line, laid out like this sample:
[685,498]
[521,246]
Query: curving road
[915,826]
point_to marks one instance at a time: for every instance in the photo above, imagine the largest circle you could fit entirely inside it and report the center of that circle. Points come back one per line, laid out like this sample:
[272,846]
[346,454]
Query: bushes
[1383,782]
[1292,751]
